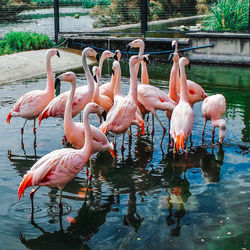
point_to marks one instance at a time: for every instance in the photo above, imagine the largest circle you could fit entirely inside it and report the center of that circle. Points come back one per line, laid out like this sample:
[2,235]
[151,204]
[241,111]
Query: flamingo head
[135,59]
[95,108]
[96,73]
[184,62]
[117,55]
[174,56]
[116,66]
[52,52]
[107,54]
[175,45]
[138,43]
[146,58]
[91,54]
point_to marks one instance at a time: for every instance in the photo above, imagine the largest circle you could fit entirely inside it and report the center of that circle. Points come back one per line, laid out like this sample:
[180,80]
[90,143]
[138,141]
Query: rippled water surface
[144,200]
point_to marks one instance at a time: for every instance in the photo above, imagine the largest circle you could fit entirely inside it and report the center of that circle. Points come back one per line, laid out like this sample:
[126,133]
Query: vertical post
[56,19]
[249,17]
[144,16]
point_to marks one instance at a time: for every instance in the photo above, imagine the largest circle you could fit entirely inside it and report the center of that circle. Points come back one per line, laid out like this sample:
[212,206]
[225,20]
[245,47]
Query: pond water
[146,198]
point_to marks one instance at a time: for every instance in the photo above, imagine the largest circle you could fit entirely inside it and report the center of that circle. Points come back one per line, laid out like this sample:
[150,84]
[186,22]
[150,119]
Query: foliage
[23,41]
[83,3]
[228,15]
[201,7]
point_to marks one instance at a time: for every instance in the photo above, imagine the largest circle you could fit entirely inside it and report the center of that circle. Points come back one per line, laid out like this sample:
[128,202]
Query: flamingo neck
[173,94]
[50,77]
[133,83]
[96,96]
[117,87]
[102,59]
[183,83]
[87,148]
[90,79]
[141,52]
[144,73]
[68,109]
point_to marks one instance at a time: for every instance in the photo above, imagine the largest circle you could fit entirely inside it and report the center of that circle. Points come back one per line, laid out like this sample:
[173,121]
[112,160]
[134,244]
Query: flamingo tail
[8,118]
[42,116]
[180,142]
[27,182]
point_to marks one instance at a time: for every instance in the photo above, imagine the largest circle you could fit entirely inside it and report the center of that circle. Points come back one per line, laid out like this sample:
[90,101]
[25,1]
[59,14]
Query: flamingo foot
[34,131]
[122,148]
[21,131]
[32,195]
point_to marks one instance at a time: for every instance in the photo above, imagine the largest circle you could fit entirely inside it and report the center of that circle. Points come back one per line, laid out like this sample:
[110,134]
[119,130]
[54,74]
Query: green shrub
[23,41]
[227,15]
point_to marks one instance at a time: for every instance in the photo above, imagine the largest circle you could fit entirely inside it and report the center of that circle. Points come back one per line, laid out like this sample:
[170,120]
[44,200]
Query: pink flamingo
[83,94]
[213,108]
[123,111]
[108,88]
[31,104]
[75,131]
[195,92]
[59,167]
[182,119]
[103,100]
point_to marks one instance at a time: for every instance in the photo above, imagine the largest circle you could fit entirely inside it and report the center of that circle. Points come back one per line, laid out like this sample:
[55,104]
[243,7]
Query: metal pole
[144,17]
[56,19]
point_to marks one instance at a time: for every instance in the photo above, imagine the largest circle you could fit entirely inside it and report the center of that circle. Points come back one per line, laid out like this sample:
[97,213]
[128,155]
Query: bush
[22,41]
[227,15]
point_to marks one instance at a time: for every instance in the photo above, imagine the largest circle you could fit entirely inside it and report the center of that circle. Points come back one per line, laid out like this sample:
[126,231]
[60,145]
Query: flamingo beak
[145,60]
[189,65]
[115,56]
[113,72]
[57,85]
[104,115]
[95,78]
[57,53]
[97,57]
[174,46]
[170,57]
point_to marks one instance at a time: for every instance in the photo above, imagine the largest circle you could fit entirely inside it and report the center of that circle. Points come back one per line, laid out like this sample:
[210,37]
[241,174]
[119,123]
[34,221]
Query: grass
[228,15]
[22,41]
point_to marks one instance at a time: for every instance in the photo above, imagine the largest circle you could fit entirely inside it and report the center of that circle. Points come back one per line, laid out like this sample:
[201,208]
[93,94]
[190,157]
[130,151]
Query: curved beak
[170,57]
[97,57]
[115,56]
[57,86]
[113,72]
[95,78]
[189,65]
[174,46]
[57,53]
[104,115]
[145,60]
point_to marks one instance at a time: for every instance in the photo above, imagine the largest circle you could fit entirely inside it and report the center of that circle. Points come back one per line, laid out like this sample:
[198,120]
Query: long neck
[68,109]
[183,80]
[141,52]
[90,79]
[96,95]
[133,83]
[117,88]
[172,82]
[50,77]
[87,148]
[144,73]
[102,59]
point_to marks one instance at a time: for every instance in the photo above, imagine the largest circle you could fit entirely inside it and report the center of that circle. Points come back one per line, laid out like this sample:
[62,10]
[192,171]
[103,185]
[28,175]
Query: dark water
[146,199]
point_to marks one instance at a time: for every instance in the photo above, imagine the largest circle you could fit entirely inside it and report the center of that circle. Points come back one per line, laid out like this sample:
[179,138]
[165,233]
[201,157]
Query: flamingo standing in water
[195,92]
[59,167]
[31,104]
[108,88]
[213,108]
[83,95]
[123,111]
[182,119]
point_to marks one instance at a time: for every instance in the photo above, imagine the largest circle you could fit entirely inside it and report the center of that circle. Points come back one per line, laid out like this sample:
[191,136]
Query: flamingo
[123,111]
[75,131]
[30,105]
[195,92]
[213,108]
[60,166]
[98,98]
[108,88]
[83,94]
[182,119]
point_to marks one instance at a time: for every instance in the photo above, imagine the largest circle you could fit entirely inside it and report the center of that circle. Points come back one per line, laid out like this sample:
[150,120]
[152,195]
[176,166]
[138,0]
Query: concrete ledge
[30,64]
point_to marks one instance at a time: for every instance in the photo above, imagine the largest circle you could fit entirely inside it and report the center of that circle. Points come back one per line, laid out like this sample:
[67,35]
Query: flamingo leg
[203,131]
[164,129]
[213,132]
[153,127]
[34,129]
[60,201]
[115,142]
[186,154]
[174,150]
[91,170]
[22,129]
[122,146]
[32,197]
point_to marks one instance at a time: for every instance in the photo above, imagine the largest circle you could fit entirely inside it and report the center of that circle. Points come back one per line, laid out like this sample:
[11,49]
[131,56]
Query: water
[146,199]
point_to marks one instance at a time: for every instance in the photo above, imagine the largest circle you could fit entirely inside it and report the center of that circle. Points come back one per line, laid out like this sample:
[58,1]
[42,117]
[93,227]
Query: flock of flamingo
[58,167]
